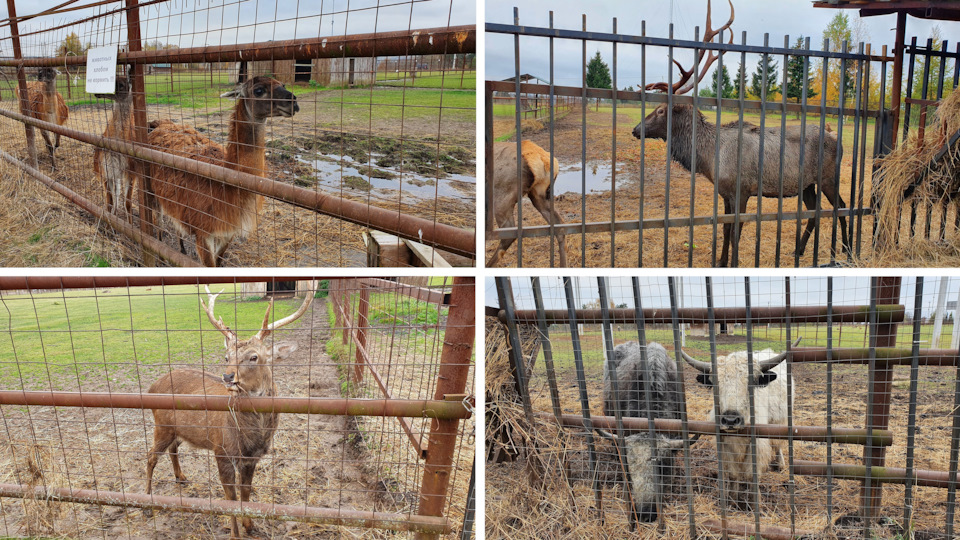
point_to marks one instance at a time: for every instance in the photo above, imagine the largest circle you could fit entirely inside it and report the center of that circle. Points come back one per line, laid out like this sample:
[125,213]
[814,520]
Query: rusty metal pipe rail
[884,356]
[284,512]
[17,283]
[119,225]
[419,408]
[453,239]
[768,532]
[881,437]
[758,315]
[889,475]
[442,40]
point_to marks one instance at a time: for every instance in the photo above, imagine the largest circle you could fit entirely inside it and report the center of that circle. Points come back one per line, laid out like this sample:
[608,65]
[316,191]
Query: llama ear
[235,93]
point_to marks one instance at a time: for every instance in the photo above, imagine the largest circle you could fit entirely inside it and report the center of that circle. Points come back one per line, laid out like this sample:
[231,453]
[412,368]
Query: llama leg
[46,140]
[207,256]
[541,203]
[219,247]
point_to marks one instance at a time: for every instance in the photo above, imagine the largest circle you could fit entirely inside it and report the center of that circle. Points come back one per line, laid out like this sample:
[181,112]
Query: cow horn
[605,434]
[676,444]
[703,367]
[767,365]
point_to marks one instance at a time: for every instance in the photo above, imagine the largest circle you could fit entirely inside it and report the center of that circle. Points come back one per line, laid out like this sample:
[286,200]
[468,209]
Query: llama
[112,168]
[213,211]
[45,103]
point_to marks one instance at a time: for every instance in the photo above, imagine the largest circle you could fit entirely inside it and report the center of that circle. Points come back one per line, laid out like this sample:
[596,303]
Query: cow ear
[704,379]
[766,378]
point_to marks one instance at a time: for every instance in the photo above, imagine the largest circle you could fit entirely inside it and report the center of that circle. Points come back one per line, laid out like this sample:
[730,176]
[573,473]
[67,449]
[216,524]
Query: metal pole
[363,309]
[21,80]
[897,74]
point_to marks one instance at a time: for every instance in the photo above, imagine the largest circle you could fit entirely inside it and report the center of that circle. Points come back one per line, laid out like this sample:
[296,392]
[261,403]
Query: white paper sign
[101,70]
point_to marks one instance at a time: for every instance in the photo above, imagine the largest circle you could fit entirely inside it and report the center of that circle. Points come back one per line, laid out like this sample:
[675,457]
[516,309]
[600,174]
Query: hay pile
[899,172]
[36,467]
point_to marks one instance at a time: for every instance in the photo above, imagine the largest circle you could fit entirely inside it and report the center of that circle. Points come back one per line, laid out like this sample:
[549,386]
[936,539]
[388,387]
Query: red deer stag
[795,182]
[213,211]
[45,103]
[536,180]
[238,439]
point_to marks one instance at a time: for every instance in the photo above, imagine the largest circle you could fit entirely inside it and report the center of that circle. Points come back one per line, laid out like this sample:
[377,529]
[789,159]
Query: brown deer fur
[112,168]
[238,439]
[213,211]
[45,103]
[535,176]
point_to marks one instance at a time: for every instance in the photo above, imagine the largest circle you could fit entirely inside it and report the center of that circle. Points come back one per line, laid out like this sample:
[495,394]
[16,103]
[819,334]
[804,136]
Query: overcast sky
[727,291]
[778,18]
[194,23]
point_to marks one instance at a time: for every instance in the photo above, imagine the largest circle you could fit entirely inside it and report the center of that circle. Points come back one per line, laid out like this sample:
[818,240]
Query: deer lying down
[238,439]
[536,185]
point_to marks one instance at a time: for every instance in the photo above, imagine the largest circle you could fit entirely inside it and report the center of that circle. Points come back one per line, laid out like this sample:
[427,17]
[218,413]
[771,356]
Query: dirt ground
[650,196]
[431,161]
[318,460]
[515,510]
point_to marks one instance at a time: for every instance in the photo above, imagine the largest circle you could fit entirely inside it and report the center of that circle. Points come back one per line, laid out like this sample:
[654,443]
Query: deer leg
[504,243]
[175,460]
[541,203]
[837,201]
[247,469]
[228,478]
[727,233]
[810,202]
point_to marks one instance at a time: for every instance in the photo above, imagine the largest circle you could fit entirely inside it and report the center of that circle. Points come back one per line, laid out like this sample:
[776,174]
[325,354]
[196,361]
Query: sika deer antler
[684,85]
[266,328]
[215,321]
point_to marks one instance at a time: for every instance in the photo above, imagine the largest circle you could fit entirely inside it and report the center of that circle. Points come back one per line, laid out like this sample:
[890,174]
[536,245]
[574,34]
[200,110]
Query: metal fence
[859,437]
[79,359]
[367,125]
[627,203]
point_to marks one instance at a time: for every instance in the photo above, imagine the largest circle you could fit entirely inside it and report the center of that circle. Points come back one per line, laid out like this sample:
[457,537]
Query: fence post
[878,410]
[362,309]
[458,338]
[21,81]
[139,168]
[343,301]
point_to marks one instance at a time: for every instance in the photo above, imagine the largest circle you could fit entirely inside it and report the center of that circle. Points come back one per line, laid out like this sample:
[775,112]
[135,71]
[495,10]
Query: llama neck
[245,148]
[121,111]
[50,87]
[682,143]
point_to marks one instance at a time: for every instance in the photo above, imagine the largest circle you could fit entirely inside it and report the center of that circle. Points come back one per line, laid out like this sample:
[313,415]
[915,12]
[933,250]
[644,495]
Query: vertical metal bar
[878,407]
[830,401]
[694,114]
[912,412]
[583,153]
[716,161]
[924,89]
[546,346]
[458,338]
[139,170]
[641,331]
[856,207]
[735,231]
[488,158]
[505,295]
[582,384]
[363,309]
[519,135]
[803,135]
[553,173]
[906,130]
[643,139]
[751,401]
[613,169]
[791,484]
[783,140]
[21,81]
[897,79]
[823,116]
[878,148]
[711,330]
[836,173]
[763,125]
[469,516]
[666,195]
[954,456]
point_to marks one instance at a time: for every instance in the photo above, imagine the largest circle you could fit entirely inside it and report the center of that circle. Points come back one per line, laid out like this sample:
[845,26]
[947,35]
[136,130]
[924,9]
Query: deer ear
[283,350]
[235,93]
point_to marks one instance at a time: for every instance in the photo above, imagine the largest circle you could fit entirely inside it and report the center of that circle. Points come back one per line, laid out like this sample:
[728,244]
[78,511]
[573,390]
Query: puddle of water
[570,178]
[336,172]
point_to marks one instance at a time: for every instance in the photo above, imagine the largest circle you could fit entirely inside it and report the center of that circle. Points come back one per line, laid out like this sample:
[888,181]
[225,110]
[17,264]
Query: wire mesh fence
[836,400]
[271,133]
[784,165]
[244,398]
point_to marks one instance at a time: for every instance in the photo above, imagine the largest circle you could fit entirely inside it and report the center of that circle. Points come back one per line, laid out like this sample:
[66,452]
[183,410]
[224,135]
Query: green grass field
[454,80]
[52,340]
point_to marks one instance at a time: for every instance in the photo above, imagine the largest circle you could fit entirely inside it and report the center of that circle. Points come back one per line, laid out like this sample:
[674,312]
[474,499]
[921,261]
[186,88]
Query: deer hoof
[148,512]
[183,480]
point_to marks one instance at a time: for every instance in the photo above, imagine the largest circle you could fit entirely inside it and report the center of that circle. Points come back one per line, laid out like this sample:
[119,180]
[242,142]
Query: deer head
[685,84]
[249,362]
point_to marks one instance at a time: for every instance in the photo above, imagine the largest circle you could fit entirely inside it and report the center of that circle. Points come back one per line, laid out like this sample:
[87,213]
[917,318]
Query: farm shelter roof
[947,10]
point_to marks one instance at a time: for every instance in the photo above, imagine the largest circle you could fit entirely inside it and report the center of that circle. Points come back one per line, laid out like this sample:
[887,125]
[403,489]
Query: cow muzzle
[731,421]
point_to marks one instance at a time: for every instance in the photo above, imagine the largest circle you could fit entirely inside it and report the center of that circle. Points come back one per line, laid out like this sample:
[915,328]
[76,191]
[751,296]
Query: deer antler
[684,85]
[266,328]
[215,321]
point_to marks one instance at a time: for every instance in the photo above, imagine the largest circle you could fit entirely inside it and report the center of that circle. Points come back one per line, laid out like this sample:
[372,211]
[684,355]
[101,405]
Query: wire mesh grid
[359,114]
[872,383]
[617,153]
[328,465]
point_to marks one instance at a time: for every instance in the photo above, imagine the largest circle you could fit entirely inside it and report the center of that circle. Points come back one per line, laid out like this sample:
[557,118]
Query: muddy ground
[318,460]
[418,165]
[514,510]
[646,192]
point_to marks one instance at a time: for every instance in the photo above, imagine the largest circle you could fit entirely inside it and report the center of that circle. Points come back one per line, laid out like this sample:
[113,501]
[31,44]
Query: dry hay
[900,169]
[36,467]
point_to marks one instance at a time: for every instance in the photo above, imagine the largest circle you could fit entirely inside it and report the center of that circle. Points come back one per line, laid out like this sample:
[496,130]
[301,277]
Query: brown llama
[45,103]
[112,168]
[213,211]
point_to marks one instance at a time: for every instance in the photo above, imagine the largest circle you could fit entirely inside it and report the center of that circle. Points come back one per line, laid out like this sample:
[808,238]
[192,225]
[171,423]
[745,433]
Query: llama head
[264,97]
